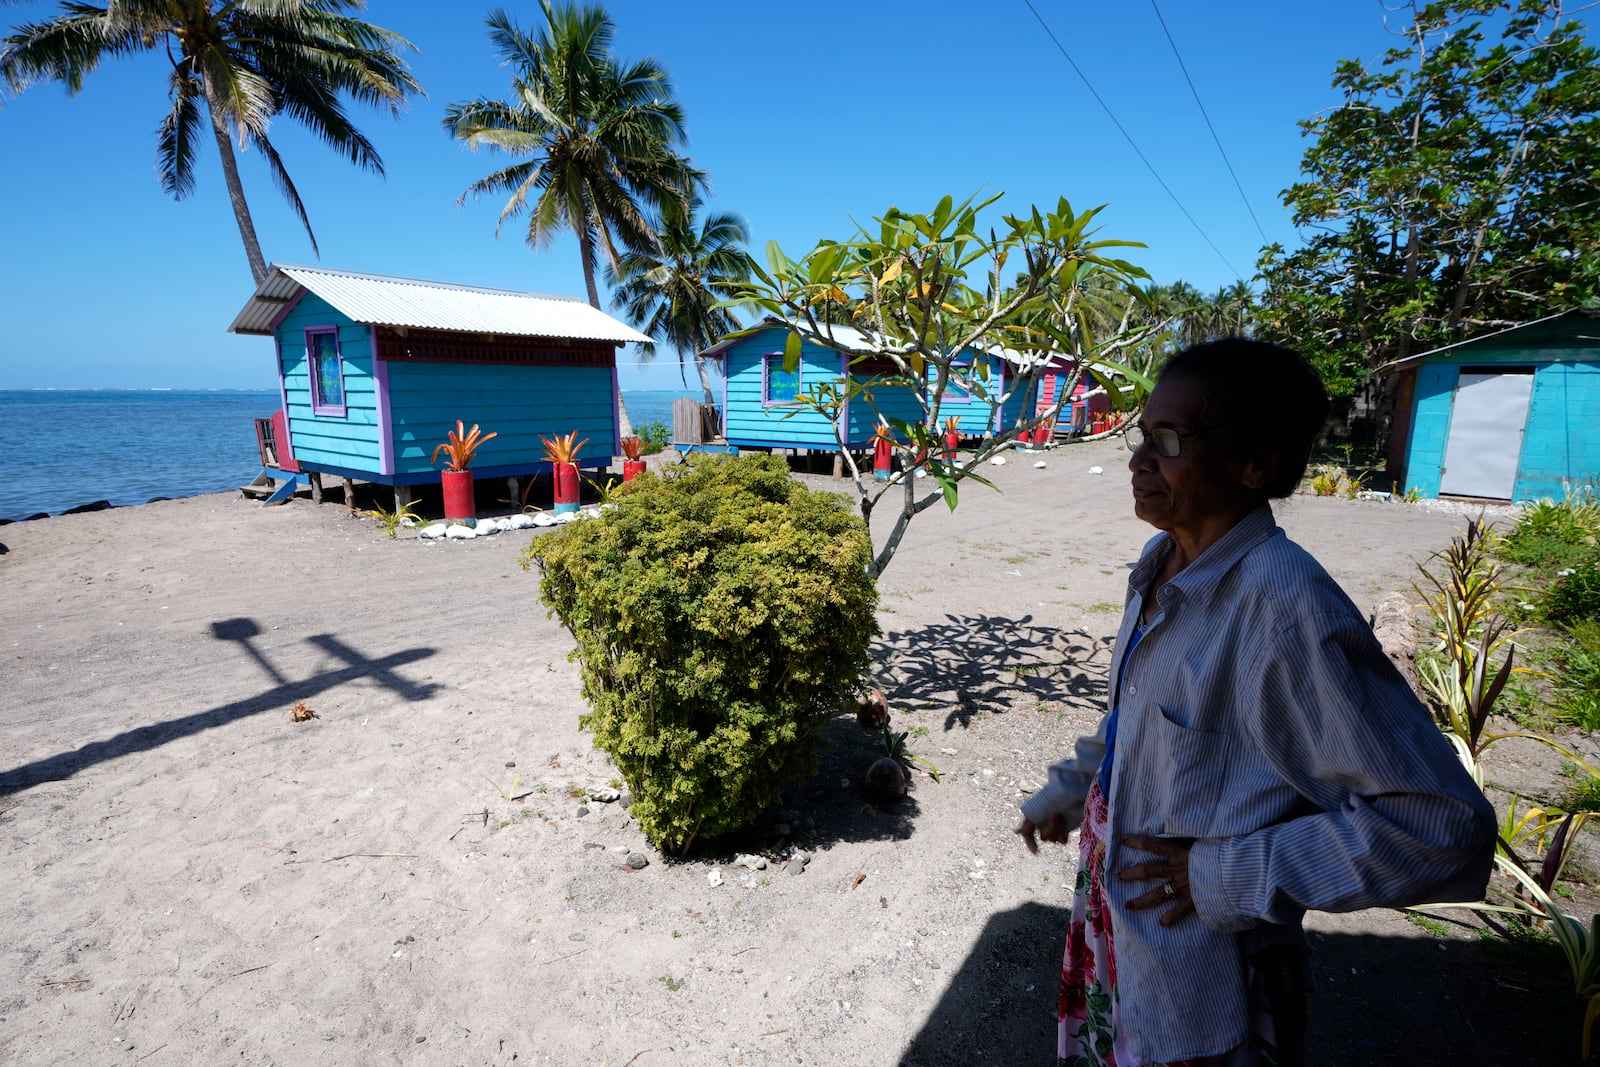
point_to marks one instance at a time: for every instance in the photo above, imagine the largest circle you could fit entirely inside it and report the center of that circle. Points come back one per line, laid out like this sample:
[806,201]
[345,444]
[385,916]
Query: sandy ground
[187,876]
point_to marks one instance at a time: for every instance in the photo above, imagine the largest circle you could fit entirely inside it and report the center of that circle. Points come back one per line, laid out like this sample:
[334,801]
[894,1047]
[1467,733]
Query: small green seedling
[391,521]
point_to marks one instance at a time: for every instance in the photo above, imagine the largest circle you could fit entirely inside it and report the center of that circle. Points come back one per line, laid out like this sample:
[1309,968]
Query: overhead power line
[1129,137]
[1220,151]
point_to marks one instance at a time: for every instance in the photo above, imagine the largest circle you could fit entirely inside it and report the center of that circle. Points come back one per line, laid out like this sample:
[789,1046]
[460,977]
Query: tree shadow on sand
[959,668]
[283,693]
[1377,1000]
[972,665]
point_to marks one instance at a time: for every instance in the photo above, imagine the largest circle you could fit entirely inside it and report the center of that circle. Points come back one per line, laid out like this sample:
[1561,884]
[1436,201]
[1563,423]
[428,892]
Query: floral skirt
[1089,1035]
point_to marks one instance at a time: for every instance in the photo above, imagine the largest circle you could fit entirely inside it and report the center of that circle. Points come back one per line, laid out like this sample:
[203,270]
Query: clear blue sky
[804,115]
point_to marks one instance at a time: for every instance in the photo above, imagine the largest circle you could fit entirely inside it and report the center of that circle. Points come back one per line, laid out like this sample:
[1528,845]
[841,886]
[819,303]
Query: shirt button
[1133,690]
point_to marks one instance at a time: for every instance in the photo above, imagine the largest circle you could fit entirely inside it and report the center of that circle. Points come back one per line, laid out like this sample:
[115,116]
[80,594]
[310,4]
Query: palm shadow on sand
[382,670]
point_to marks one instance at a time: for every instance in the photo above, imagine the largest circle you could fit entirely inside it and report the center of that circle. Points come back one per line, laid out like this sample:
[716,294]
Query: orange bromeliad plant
[461,446]
[563,449]
[631,448]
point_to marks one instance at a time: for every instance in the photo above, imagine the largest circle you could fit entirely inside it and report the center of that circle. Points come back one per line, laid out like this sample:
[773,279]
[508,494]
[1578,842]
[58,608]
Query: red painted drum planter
[566,479]
[632,468]
[882,455]
[458,500]
[951,441]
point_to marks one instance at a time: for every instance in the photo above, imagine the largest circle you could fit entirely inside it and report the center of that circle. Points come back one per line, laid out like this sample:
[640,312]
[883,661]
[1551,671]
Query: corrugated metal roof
[1411,361]
[859,341]
[376,299]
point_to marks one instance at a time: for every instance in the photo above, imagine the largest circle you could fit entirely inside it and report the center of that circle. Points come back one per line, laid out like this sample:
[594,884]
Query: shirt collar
[1200,579]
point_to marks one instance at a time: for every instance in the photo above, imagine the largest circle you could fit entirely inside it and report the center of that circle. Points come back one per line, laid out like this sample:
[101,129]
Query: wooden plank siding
[752,424]
[880,397]
[519,403]
[349,441]
[1559,448]
[748,422]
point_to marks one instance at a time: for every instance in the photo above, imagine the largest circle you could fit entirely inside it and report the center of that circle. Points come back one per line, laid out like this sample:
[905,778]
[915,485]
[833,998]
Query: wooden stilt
[349,495]
[838,467]
[403,496]
[514,487]
[316,487]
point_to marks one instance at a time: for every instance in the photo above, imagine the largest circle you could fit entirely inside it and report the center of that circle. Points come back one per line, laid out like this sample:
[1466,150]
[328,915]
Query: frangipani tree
[927,299]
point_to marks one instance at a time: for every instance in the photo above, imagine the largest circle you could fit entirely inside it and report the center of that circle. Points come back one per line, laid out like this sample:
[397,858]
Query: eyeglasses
[1167,442]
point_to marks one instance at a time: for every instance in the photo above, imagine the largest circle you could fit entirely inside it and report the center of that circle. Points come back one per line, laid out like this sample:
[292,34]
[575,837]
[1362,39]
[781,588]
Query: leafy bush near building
[655,436]
[723,613]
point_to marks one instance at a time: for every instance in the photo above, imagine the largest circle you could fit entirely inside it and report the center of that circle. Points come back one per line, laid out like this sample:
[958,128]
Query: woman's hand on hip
[1172,869]
[1052,829]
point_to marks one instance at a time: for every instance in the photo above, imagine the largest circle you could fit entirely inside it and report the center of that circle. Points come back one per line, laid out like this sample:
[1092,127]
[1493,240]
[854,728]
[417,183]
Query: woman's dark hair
[1269,400]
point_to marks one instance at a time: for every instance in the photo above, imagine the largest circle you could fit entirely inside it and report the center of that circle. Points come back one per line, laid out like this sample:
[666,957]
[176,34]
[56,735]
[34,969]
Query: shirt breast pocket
[1184,773]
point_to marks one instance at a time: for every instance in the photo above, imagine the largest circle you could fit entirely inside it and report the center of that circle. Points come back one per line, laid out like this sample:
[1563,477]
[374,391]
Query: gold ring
[1170,891]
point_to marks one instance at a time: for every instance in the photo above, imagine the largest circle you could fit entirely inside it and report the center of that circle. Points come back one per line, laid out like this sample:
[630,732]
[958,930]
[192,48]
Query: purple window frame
[319,403]
[766,381]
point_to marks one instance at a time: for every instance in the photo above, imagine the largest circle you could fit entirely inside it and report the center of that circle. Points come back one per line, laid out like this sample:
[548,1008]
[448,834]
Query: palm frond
[177,144]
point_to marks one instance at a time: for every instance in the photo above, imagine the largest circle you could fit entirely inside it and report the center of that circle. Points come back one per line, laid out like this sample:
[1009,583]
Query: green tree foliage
[673,293]
[723,613]
[598,135]
[1197,318]
[235,67]
[923,293]
[1454,191]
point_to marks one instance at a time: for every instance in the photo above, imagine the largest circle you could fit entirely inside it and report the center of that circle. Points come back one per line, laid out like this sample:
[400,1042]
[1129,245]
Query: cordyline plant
[936,298]
[1533,901]
[461,445]
[1461,683]
[632,448]
[1463,690]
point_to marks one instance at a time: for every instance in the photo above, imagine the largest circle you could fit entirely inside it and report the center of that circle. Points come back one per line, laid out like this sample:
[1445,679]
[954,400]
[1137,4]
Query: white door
[1486,426]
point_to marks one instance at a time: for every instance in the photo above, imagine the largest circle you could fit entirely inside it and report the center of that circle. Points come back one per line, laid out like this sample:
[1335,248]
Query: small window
[326,371]
[954,391]
[778,386]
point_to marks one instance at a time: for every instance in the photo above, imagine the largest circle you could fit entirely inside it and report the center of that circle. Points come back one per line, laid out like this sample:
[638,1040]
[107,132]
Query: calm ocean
[60,448]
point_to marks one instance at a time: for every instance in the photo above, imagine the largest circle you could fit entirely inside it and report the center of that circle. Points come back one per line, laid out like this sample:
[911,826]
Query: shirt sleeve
[1400,822]
[1068,782]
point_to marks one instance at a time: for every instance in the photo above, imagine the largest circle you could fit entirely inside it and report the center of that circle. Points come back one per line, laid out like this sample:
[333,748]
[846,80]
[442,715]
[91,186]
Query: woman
[1261,757]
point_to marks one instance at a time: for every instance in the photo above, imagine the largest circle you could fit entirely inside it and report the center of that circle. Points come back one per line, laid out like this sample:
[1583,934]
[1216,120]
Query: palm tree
[1232,309]
[672,294]
[598,136]
[235,66]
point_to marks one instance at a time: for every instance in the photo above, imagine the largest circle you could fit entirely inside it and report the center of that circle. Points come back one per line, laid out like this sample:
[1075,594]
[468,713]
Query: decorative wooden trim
[451,346]
[380,381]
[874,367]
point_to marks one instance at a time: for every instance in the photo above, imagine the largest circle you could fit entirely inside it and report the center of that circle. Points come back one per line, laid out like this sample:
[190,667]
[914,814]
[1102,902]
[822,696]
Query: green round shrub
[723,612]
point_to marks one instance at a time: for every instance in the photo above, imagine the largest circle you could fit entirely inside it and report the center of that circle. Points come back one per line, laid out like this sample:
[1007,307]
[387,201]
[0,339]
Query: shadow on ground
[279,697]
[971,665]
[1378,1000]
[963,667]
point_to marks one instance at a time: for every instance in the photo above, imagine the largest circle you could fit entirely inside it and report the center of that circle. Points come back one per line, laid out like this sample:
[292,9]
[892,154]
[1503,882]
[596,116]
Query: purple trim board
[380,380]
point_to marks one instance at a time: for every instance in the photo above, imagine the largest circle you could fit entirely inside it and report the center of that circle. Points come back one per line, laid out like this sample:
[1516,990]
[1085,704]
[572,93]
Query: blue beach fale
[374,370]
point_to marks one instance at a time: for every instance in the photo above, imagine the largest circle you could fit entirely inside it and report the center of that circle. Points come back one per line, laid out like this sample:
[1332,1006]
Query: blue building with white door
[1512,415]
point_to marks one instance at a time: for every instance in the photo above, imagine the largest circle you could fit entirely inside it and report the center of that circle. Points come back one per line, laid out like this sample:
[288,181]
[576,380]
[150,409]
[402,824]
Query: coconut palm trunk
[586,253]
[705,381]
[230,177]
